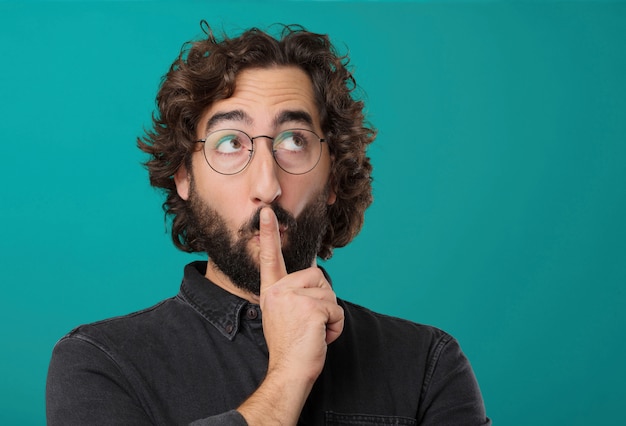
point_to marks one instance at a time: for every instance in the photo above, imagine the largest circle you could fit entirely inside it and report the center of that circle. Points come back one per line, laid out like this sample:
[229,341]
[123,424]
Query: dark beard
[303,238]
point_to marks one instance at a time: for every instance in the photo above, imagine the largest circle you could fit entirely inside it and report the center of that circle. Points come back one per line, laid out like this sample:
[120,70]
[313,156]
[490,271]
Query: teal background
[500,183]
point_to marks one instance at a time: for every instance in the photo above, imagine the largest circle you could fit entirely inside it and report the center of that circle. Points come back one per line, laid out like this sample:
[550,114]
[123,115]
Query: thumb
[271,262]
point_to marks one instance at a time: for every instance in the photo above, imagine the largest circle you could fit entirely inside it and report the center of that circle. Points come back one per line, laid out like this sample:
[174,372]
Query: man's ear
[332,194]
[183,182]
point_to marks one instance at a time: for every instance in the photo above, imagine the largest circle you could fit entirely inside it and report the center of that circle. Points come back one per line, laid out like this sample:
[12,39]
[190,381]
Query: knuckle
[273,291]
[266,258]
[318,274]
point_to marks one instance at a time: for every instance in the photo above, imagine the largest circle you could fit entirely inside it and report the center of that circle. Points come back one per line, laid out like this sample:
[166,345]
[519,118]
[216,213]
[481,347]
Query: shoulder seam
[390,317]
[132,314]
[432,364]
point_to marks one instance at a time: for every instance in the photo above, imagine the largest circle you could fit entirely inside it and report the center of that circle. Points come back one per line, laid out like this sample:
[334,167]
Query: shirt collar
[219,307]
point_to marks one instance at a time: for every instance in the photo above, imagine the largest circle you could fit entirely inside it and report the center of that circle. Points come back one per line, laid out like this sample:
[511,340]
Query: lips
[282,230]
[285,221]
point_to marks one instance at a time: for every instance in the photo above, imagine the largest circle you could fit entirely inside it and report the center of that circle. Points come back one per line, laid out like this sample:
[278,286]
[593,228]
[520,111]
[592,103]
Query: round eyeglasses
[229,151]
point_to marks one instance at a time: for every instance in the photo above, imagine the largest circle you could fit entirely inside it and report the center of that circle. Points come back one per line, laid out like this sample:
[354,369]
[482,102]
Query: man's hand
[300,318]
[300,311]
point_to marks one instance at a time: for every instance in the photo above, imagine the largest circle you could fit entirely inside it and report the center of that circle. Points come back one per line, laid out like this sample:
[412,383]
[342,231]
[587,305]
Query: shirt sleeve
[230,418]
[451,394]
[86,387]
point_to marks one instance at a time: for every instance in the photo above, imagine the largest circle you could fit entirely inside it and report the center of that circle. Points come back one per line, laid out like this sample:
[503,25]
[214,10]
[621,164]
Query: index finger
[271,262]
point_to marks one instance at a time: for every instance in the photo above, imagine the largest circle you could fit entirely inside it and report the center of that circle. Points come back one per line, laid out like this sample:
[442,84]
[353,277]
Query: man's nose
[263,174]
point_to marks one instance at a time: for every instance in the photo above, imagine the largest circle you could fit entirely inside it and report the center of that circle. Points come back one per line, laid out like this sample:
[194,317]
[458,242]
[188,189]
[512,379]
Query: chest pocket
[338,419]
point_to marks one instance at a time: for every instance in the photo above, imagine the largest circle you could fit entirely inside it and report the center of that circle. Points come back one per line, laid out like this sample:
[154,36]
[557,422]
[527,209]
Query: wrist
[278,400]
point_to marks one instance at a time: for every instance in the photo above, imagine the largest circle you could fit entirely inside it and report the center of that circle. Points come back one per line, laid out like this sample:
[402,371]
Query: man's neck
[220,279]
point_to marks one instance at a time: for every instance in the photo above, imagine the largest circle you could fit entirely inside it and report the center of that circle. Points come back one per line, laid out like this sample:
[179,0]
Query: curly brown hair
[206,70]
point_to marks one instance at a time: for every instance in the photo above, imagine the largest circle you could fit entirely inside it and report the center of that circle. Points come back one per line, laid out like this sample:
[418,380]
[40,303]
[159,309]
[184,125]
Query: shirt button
[252,313]
[229,328]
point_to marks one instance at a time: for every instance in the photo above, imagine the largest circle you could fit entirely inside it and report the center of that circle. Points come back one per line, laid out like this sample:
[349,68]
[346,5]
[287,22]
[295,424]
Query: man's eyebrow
[297,116]
[234,115]
[287,116]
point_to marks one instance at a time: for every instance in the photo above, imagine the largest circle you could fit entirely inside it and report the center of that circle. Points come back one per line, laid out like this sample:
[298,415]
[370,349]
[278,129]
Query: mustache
[284,218]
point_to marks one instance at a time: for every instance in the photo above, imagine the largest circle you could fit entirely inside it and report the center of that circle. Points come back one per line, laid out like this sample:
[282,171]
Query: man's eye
[228,144]
[291,141]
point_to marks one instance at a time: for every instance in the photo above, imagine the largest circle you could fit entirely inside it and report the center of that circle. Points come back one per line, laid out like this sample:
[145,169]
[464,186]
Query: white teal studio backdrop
[500,183]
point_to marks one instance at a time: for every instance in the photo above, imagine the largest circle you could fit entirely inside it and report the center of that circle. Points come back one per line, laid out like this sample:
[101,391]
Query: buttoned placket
[252,322]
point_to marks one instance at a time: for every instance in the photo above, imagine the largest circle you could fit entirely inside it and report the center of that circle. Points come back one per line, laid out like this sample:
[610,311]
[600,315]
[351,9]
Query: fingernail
[265,216]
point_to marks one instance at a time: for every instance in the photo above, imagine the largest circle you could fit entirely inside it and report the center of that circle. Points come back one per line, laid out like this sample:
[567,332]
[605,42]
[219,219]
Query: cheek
[230,202]
[226,198]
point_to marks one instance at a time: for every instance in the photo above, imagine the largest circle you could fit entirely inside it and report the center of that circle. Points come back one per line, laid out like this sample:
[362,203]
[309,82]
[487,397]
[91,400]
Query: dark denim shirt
[194,358]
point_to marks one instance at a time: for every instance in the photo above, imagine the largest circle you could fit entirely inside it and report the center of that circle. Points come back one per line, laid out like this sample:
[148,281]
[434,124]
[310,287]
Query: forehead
[262,96]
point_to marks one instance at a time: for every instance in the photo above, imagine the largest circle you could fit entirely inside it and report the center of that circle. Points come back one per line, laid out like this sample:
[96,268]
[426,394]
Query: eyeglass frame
[252,150]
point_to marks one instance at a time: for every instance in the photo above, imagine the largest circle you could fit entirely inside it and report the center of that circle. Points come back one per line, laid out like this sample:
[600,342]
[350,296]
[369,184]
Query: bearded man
[261,150]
